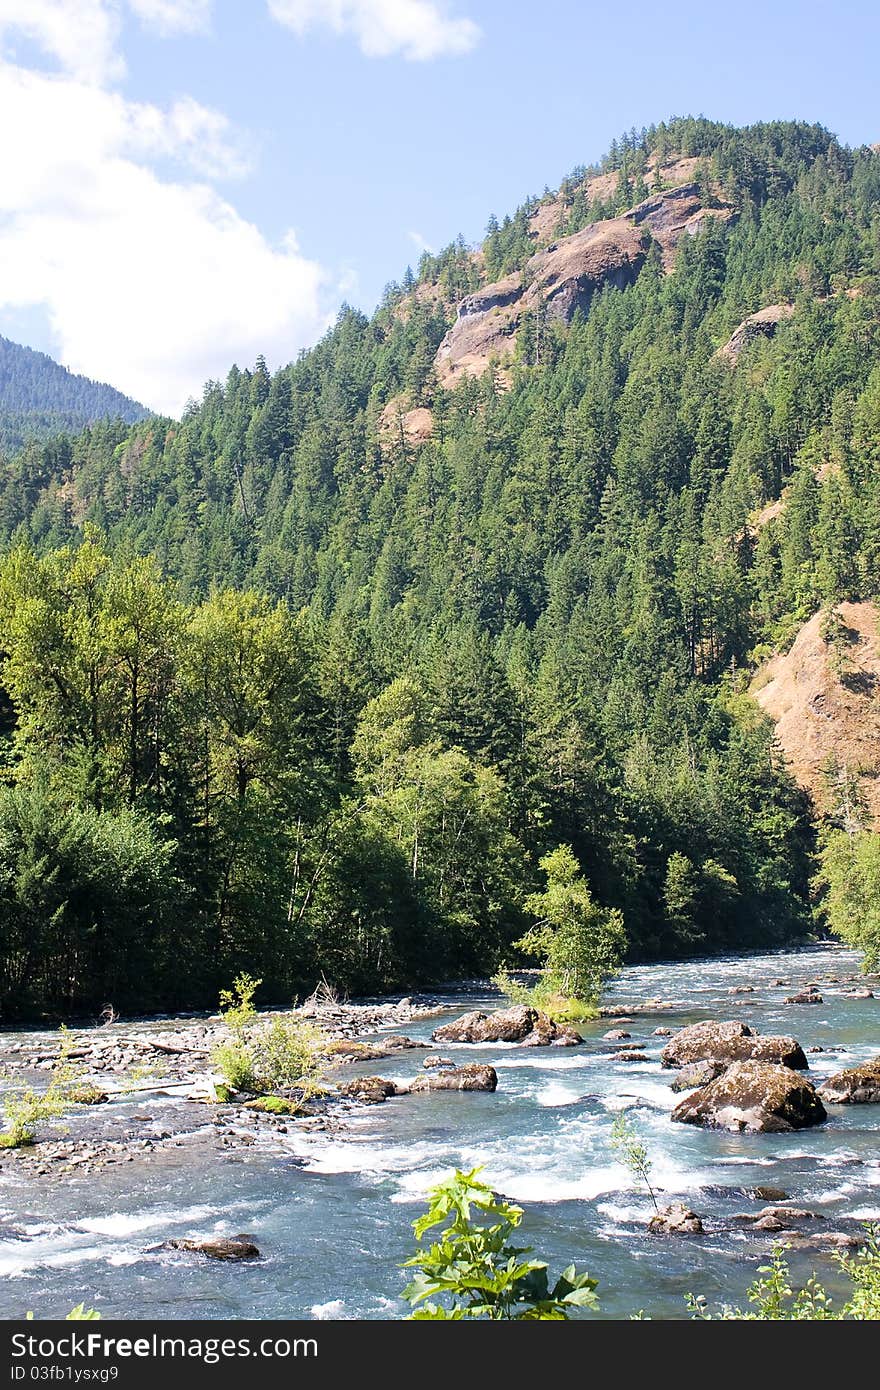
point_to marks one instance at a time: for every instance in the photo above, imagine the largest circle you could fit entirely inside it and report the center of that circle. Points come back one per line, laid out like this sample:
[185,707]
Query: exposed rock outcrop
[562,278]
[471,1077]
[354,1050]
[519,1024]
[763,324]
[859,1085]
[730,1042]
[755,1097]
[399,424]
[825,716]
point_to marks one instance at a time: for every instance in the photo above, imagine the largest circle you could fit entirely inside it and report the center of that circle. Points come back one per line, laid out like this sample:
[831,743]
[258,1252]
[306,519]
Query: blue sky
[198,180]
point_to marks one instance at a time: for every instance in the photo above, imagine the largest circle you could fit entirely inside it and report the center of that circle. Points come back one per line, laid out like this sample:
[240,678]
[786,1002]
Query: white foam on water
[54,1246]
[831,1160]
[622,1215]
[640,1089]
[555,1093]
[549,1060]
[323,1312]
[342,1156]
[13,1268]
[834,1194]
[122,1223]
[746,1161]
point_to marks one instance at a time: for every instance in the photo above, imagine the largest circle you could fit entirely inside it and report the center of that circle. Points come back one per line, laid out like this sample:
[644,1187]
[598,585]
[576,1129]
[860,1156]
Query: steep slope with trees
[40,399]
[402,634]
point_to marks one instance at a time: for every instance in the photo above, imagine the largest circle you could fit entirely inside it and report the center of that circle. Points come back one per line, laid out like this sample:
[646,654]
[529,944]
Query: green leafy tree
[579,943]
[849,880]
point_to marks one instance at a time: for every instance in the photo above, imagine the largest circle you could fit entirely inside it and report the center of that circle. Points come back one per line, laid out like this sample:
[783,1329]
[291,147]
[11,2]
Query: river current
[332,1214]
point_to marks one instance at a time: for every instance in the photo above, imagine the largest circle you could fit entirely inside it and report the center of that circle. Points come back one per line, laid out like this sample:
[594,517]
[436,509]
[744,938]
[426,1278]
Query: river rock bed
[329,1196]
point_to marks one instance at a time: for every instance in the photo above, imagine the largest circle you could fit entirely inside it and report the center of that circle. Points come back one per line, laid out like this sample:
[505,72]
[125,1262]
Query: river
[332,1212]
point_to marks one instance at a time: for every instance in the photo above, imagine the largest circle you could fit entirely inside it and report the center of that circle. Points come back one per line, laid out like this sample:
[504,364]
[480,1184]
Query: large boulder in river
[730,1042]
[858,1085]
[755,1097]
[697,1074]
[472,1077]
[519,1024]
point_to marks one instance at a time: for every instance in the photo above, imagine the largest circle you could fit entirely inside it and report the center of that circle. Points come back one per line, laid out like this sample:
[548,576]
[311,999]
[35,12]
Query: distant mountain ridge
[40,398]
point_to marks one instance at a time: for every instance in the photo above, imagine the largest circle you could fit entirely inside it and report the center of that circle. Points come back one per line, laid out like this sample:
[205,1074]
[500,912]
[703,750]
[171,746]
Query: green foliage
[849,881]
[562,1008]
[260,1055]
[579,943]
[773,1298]
[40,399]
[237,1004]
[632,1152]
[25,1109]
[473,1266]
[286,693]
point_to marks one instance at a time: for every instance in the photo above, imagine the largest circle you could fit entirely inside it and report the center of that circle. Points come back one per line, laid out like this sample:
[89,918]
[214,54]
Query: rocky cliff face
[822,698]
[763,324]
[563,278]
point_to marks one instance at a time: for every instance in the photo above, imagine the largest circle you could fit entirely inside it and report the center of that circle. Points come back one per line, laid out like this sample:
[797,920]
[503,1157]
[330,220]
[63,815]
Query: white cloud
[152,284]
[420,243]
[82,35]
[174,16]
[188,133]
[416,29]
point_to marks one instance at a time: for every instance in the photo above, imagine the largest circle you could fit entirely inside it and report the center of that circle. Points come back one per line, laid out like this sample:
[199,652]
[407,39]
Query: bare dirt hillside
[824,697]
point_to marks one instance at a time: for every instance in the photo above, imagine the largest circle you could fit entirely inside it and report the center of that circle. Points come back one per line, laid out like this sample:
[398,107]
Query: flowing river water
[331,1212]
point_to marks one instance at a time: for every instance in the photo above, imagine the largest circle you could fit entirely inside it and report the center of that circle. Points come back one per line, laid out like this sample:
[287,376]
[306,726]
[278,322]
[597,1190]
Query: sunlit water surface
[333,1216]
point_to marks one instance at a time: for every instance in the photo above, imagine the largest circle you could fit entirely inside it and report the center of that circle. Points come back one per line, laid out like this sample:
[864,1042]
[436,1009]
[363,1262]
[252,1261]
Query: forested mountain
[308,682]
[39,399]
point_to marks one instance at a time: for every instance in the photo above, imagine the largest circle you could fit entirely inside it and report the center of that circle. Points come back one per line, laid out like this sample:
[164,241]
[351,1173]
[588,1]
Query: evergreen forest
[289,691]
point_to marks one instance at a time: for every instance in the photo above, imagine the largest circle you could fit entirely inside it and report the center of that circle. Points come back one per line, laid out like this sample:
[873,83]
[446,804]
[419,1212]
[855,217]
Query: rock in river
[755,1097]
[472,1077]
[239,1247]
[371,1090]
[519,1024]
[858,1085]
[675,1220]
[730,1041]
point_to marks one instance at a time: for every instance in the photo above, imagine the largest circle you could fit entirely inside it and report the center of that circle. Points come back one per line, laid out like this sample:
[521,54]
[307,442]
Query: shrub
[632,1152]
[264,1056]
[560,1007]
[477,1269]
[580,944]
[25,1109]
[773,1298]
